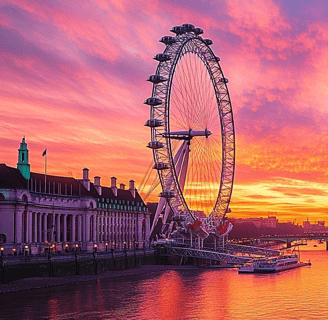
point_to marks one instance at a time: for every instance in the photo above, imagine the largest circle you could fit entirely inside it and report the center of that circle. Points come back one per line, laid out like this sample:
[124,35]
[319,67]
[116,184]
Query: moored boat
[274,264]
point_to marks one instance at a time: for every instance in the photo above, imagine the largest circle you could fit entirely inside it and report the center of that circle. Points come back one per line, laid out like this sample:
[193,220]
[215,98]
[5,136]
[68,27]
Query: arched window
[91,205]
[24,198]
[2,197]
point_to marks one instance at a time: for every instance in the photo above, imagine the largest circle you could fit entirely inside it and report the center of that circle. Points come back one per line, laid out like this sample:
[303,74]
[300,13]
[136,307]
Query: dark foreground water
[187,294]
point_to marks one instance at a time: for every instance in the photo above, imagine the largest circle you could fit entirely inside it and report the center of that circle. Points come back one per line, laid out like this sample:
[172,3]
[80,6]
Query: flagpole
[45,171]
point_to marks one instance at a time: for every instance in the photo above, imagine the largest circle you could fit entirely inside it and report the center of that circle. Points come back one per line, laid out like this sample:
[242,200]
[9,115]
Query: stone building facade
[41,212]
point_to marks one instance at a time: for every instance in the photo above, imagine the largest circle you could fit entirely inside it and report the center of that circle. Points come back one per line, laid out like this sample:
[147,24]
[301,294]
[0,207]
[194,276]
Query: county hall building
[41,212]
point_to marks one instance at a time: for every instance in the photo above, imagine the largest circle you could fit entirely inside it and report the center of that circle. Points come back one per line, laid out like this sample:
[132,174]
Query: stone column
[29,226]
[73,235]
[139,228]
[79,228]
[18,227]
[27,217]
[65,228]
[58,228]
[35,228]
[39,227]
[94,228]
[107,227]
[45,227]
[86,221]
[147,216]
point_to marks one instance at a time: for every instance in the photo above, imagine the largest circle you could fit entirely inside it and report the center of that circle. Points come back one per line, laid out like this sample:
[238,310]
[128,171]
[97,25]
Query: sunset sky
[72,80]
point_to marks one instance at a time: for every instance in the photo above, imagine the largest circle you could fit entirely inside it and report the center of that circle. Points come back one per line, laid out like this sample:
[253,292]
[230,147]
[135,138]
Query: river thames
[185,294]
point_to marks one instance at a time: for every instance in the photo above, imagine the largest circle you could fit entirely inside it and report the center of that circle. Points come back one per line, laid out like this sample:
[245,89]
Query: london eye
[192,134]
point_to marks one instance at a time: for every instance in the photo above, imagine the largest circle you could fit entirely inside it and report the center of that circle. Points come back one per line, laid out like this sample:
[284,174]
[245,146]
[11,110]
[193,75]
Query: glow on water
[187,294]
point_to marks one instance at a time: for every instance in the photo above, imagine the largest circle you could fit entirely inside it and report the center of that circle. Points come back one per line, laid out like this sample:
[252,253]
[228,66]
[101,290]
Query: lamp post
[2,250]
[76,259]
[106,246]
[95,246]
[126,257]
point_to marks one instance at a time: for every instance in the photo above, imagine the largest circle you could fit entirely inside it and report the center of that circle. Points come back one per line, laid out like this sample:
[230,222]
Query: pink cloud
[73,80]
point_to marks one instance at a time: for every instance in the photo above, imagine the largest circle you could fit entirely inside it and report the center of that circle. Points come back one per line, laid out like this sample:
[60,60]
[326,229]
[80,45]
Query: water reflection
[188,294]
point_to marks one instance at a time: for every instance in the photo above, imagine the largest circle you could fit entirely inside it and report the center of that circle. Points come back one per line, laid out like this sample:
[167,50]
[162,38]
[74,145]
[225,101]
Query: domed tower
[22,165]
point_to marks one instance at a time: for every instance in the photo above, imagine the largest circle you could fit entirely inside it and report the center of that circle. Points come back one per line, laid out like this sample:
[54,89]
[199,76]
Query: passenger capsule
[178,30]
[155,145]
[161,57]
[179,217]
[208,41]
[154,123]
[167,194]
[188,27]
[167,40]
[155,78]
[161,166]
[153,101]
[215,59]
[198,31]
[224,80]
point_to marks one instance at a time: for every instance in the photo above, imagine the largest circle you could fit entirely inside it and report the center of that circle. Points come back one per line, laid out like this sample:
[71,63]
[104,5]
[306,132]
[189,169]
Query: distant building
[269,222]
[39,212]
[318,227]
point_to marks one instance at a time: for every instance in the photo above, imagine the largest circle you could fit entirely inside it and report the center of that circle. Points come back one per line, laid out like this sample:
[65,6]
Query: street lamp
[2,249]
[95,246]
[106,244]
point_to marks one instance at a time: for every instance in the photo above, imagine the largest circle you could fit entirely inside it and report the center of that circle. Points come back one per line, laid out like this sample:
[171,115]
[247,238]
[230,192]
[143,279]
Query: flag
[44,152]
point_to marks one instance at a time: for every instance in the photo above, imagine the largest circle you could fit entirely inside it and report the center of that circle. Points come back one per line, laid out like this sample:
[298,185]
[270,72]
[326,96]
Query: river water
[185,294]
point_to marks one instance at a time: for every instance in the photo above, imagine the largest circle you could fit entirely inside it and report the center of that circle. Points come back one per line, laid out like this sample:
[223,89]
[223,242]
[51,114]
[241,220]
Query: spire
[23,165]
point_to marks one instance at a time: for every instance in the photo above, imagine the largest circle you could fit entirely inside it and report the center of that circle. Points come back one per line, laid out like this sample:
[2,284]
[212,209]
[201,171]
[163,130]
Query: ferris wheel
[192,132]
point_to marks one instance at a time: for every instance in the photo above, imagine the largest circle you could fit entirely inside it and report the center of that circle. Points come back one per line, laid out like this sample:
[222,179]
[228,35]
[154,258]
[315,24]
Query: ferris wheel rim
[182,41]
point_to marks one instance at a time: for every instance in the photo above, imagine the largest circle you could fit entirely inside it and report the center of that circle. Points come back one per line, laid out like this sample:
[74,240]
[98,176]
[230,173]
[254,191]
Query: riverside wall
[19,267]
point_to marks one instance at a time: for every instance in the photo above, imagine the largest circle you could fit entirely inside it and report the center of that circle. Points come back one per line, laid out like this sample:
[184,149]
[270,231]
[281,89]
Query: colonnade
[114,228]
[51,227]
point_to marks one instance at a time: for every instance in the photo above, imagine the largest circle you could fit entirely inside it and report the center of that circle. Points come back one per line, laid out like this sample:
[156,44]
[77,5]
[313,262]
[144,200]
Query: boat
[274,264]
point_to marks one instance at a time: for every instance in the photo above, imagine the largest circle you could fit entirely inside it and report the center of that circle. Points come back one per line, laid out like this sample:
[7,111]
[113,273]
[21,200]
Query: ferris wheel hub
[187,134]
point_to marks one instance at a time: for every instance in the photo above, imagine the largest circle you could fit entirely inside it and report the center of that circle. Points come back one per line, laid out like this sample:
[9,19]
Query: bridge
[291,238]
